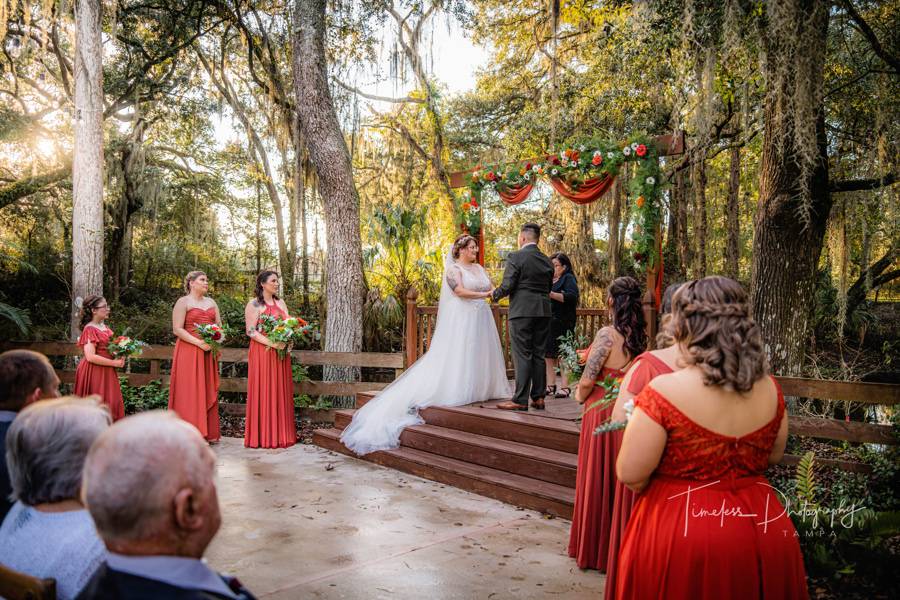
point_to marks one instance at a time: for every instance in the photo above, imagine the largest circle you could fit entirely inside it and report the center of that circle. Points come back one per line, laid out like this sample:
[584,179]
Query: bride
[464,362]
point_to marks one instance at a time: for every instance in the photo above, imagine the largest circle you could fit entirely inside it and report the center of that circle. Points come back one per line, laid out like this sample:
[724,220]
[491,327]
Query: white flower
[555,172]
[475,209]
[610,155]
[574,163]
[650,180]
[626,150]
[598,153]
[535,168]
[581,148]
[634,145]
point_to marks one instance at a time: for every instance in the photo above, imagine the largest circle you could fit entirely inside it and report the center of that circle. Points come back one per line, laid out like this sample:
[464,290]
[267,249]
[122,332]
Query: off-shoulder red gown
[595,482]
[646,368]
[99,379]
[270,395]
[194,382]
[709,525]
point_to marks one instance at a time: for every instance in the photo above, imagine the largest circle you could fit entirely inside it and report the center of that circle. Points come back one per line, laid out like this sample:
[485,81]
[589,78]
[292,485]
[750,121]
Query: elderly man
[48,533]
[148,483]
[25,377]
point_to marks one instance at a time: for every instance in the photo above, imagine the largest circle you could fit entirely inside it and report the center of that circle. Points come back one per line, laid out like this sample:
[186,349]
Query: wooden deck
[526,459]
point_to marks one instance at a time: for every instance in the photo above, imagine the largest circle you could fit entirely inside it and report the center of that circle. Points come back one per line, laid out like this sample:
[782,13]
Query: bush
[152,396]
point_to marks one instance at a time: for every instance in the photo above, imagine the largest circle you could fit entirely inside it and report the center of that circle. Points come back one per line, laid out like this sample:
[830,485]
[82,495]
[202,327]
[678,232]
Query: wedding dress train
[464,364]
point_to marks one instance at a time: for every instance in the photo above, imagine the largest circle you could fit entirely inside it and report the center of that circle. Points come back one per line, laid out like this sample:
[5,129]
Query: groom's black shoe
[537,404]
[511,406]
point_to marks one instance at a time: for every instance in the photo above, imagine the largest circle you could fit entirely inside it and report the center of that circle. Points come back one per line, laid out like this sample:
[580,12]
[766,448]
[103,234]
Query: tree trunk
[615,217]
[699,186]
[321,129]
[87,166]
[786,248]
[732,216]
[130,201]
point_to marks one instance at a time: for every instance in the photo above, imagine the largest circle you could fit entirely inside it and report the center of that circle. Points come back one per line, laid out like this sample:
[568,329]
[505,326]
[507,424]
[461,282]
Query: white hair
[135,469]
[46,446]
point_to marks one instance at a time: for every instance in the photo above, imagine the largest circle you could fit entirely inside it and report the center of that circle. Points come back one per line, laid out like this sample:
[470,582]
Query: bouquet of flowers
[286,331]
[213,334]
[573,355]
[615,425]
[124,346]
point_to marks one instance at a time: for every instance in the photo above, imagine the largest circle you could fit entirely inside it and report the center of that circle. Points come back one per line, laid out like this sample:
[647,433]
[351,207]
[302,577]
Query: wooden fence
[869,394]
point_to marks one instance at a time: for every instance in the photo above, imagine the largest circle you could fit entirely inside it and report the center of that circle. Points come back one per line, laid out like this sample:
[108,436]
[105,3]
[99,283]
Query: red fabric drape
[588,192]
[516,195]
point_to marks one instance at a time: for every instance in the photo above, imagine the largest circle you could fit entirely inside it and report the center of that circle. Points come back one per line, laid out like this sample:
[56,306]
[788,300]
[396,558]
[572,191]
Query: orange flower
[522,172]
[640,202]
[466,206]
[475,176]
[490,176]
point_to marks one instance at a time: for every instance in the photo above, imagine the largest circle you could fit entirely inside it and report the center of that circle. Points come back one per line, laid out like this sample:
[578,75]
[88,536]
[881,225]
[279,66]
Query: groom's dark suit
[527,281]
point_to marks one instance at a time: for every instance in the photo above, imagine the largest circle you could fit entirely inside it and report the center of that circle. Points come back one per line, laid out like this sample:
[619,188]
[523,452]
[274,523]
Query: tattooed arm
[600,350]
[454,280]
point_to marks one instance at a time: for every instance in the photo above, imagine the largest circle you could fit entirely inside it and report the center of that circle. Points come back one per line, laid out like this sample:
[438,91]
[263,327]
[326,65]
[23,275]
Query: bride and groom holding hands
[464,362]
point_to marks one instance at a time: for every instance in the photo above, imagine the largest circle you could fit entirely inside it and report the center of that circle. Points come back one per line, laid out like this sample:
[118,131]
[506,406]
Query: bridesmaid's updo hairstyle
[87,308]
[189,278]
[460,243]
[260,280]
[628,314]
[711,318]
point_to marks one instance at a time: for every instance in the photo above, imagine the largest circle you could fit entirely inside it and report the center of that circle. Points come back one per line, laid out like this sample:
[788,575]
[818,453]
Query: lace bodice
[471,277]
[694,452]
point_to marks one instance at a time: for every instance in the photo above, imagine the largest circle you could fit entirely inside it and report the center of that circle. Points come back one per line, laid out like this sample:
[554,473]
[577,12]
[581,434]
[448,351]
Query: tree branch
[27,186]
[856,185]
[893,61]
[874,274]
[355,90]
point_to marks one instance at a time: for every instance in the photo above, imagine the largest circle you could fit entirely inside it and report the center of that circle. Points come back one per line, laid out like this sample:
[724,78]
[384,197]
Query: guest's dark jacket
[109,584]
[527,281]
[5,486]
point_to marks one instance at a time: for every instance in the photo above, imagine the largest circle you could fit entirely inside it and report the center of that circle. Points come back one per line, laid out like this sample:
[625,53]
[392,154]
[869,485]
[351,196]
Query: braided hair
[87,308]
[711,318]
[628,314]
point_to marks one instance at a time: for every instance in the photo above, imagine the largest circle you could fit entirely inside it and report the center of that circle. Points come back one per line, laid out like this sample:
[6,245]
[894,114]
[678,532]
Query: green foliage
[569,355]
[152,396]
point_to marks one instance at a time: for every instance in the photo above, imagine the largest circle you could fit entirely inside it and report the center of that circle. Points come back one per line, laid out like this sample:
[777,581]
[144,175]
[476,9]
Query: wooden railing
[156,354]
[421,321]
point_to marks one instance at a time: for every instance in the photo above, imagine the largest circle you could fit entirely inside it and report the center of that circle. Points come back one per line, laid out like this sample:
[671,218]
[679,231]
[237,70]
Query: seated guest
[25,377]
[48,534]
[707,523]
[148,483]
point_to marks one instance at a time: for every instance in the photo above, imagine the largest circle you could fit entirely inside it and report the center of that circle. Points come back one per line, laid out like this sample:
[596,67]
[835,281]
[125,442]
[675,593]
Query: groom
[527,281]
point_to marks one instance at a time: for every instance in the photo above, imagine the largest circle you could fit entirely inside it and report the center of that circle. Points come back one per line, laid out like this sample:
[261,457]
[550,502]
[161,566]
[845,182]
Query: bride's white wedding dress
[464,364]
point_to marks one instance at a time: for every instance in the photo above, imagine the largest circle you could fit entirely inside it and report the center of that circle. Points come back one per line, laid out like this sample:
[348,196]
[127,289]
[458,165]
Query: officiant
[563,304]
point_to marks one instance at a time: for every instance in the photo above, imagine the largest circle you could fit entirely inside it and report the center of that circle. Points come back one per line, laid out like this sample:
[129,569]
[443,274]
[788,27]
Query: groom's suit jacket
[527,281]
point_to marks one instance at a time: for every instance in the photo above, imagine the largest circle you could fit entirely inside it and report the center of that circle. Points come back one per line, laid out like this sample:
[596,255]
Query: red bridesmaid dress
[99,379]
[595,483]
[736,542]
[647,367]
[194,382]
[270,396]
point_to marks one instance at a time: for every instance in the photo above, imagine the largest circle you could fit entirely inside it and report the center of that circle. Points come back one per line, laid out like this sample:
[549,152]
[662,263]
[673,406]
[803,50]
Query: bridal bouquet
[126,347]
[287,331]
[214,336]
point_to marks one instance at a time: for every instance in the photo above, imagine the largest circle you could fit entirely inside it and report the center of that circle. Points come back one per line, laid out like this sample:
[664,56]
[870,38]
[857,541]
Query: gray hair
[46,446]
[135,469]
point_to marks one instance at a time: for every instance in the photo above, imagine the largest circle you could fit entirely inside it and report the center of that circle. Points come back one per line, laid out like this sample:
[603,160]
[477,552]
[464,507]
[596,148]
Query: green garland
[576,162]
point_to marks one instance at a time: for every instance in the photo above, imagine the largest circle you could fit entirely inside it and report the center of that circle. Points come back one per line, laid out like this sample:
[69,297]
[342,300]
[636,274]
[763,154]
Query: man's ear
[187,510]
[34,396]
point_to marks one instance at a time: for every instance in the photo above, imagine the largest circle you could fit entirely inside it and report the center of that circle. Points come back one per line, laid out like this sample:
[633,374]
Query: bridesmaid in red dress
[707,524]
[96,373]
[194,382]
[270,385]
[611,352]
[646,367]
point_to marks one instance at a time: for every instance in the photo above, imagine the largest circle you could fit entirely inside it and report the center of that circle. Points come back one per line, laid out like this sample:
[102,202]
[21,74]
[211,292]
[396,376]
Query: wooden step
[523,427]
[506,487]
[535,462]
